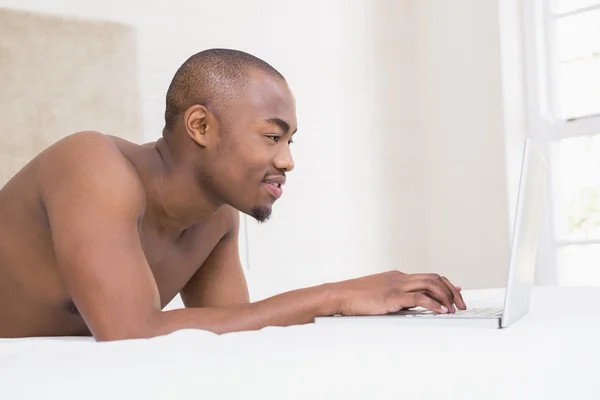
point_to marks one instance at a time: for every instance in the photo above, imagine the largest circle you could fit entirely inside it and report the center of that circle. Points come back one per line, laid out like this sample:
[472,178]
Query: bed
[551,353]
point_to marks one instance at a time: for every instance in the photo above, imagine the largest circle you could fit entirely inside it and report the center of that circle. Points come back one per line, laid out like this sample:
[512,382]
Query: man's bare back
[34,300]
[97,234]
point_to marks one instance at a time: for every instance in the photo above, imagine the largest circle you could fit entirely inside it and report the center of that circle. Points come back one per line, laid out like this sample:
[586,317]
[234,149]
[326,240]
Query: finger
[450,310]
[438,281]
[410,300]
[458,300]
[433,277]
[431,288]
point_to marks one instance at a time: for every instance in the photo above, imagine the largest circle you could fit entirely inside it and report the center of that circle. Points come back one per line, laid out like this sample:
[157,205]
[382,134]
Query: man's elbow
[140,330]
[112,336]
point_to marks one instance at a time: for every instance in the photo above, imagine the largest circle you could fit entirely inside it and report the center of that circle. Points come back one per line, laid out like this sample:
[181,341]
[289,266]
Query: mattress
[551,353]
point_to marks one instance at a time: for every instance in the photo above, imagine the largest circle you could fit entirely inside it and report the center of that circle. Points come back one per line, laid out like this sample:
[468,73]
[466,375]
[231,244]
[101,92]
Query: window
[563,77]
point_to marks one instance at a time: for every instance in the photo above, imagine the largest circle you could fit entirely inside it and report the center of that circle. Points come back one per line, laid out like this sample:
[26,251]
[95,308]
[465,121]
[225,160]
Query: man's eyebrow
[280,123]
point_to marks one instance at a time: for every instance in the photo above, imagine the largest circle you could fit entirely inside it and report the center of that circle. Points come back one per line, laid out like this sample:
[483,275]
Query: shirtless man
[98,234]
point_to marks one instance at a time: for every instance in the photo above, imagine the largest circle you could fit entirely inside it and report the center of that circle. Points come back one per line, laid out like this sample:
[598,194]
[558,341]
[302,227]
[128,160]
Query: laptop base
[415,321]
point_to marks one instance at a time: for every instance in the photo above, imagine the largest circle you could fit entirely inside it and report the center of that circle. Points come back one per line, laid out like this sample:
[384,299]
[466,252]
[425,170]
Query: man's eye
[290,141]
[274,138]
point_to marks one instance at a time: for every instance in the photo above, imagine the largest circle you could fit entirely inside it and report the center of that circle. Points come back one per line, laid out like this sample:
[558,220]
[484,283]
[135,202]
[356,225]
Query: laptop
[521,271]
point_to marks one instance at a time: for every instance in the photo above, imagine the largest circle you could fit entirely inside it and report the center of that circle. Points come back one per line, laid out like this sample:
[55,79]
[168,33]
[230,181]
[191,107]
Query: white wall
[400,160]
[461,122]
[432,147]
[351,206]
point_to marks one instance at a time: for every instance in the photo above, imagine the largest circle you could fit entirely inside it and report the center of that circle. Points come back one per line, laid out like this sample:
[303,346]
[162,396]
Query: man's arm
[220,281]
[95,201]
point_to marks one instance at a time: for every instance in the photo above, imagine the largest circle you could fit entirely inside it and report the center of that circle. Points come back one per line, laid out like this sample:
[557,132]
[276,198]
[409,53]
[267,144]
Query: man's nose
[284,160]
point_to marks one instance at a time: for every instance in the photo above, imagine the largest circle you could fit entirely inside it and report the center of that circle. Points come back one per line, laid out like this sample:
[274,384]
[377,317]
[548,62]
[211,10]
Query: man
[98,234]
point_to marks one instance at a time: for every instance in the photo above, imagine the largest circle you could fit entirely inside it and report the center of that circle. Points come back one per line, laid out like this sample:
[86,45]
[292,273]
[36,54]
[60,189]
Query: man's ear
[196,124]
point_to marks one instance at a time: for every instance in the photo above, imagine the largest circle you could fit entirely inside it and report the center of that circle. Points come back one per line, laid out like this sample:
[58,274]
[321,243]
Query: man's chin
[261,213]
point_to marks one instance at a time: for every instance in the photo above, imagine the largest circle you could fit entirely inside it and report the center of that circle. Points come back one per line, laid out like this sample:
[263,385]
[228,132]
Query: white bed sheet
[552,353]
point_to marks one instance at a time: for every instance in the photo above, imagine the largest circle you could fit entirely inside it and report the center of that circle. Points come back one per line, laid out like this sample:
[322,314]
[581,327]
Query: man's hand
[392,291]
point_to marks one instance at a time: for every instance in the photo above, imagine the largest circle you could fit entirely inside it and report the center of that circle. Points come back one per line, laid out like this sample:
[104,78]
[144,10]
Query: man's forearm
[291,308]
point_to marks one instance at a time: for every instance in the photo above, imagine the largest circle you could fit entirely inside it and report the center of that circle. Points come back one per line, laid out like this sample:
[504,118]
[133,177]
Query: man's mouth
[274,188]
[273,183]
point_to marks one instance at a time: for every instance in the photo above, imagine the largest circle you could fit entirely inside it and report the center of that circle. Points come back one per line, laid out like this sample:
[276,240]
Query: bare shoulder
[85,147]
[88,162]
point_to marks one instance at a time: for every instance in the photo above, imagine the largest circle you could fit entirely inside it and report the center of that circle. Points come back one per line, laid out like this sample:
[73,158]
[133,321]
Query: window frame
[544,126]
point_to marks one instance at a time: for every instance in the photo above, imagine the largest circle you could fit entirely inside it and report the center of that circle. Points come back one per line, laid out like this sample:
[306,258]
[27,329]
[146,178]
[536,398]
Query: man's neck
[175,199]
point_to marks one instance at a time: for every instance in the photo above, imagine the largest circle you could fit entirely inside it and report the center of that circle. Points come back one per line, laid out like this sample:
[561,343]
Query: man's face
[250,161]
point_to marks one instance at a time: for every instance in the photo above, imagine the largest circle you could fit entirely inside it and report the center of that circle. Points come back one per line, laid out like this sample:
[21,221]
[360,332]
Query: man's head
[231,117]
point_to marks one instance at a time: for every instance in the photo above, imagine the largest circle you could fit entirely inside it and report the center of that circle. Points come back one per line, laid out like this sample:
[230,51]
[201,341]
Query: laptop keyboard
[486,312]
[477,312]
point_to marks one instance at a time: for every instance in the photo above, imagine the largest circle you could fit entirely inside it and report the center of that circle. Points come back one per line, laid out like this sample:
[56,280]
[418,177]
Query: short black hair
[211,78]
